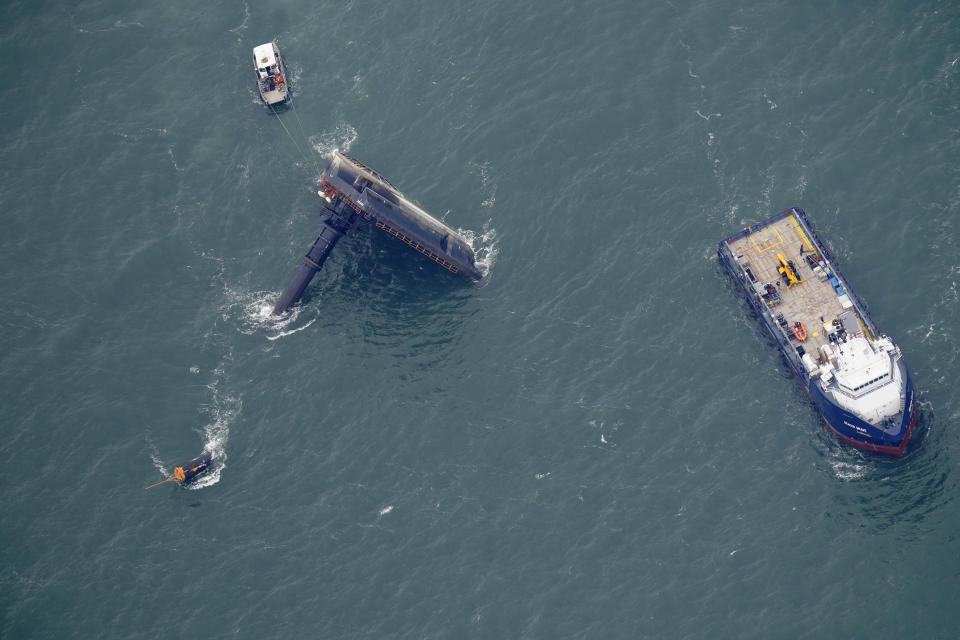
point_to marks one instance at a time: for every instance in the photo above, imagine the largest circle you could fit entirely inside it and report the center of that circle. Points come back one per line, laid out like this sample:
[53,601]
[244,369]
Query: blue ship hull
[848,427]
[862,434]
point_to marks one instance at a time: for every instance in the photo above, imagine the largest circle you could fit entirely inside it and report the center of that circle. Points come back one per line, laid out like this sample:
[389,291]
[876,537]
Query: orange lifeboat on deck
[800,331]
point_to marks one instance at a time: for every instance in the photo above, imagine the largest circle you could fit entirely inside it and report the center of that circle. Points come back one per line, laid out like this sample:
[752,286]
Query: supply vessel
[854,374]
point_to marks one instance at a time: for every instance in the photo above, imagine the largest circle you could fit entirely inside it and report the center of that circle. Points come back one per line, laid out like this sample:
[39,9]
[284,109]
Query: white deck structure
[271,75]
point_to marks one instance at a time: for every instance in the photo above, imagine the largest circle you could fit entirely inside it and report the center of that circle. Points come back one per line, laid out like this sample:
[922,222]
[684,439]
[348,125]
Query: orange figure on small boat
[187,472]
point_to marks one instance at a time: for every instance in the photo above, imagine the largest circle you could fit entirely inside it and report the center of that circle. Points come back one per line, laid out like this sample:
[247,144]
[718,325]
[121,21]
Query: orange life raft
[800,331]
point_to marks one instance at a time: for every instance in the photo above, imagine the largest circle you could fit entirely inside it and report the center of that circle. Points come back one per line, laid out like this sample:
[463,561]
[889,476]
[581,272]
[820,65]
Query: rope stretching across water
[306,141]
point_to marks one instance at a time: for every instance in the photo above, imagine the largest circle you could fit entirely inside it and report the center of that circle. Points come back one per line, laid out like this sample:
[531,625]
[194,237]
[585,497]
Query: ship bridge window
[867,384]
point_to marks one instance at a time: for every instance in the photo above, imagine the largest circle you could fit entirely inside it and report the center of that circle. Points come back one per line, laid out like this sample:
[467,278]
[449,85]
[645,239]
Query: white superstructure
[863,377]
[271,75]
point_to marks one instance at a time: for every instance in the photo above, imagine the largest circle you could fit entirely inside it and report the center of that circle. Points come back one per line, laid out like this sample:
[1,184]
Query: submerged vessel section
[855,375]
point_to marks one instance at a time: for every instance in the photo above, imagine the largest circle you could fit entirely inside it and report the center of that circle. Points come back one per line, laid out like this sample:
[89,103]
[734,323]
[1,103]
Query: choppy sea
[598,441]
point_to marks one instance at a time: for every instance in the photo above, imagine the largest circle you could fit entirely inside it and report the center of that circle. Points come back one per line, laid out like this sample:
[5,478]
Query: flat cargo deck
[814,301]
[273,96]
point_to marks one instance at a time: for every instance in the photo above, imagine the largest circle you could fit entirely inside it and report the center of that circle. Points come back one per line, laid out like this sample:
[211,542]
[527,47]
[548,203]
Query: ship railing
[786,337]
[431,252]
[776,331]
[828,258]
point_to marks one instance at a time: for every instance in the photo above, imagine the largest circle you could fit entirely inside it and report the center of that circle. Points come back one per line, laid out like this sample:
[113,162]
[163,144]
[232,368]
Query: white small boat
[270,72]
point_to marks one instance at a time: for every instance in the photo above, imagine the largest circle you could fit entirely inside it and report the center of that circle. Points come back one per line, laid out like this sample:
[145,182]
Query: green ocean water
[598,441]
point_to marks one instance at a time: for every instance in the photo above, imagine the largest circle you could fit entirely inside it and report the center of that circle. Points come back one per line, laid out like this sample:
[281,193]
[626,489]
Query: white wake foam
[488,185]
[222,411]
[253,313]
[848,471]
[340,139]
[484,245]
